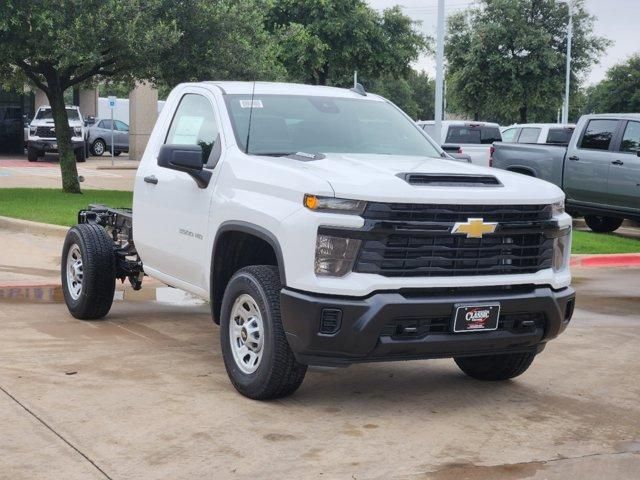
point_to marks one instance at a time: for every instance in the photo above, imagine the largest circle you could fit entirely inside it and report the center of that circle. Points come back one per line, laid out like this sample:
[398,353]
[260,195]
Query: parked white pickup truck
[42,134]
[473,138]
[548,133]
[326,228]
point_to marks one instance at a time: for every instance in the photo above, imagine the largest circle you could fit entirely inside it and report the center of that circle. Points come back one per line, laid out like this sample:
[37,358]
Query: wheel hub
[246,332]
[75,272]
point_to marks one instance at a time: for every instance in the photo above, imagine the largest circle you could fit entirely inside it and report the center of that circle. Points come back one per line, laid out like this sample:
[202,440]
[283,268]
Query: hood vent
[450,180]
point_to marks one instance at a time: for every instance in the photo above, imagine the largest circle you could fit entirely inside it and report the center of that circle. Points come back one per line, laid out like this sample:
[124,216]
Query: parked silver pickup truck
[599,170]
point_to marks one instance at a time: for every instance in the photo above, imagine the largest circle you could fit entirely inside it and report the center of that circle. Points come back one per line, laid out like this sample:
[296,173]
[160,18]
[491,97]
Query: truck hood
[49,123]
[375,178]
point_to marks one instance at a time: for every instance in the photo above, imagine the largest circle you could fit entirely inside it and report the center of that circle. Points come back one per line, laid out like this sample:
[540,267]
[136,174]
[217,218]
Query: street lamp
[439,73]
[565,105]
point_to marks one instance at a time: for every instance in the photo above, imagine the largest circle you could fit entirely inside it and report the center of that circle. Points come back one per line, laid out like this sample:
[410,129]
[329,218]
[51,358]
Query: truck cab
[326,228]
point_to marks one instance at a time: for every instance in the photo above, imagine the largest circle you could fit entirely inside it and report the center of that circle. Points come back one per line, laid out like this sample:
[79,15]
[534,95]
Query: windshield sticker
[248,103]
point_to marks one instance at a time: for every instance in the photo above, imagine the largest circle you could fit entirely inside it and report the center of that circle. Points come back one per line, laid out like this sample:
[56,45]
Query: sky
[616,20]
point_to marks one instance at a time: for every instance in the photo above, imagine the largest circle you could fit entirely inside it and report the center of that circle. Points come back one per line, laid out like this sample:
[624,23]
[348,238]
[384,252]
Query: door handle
[574,158]
[151,179]
[617,162]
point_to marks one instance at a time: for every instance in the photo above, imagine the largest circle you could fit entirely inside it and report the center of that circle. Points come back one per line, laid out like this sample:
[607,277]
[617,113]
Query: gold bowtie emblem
[474,227]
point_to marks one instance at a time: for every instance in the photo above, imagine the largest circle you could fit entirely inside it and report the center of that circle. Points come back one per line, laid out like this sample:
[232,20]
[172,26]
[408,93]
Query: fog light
[335,256]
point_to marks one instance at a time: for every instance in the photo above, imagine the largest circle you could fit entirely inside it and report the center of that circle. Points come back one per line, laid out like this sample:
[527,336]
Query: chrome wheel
[98,147]
[74,271]
[246,333]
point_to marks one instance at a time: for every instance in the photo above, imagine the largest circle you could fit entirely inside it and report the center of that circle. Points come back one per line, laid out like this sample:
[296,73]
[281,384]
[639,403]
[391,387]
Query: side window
[598,134]
[121,126]
[490,135]
[194,123]
[105,124]
[529,135]
[560,136]
[631,138]
[509,135]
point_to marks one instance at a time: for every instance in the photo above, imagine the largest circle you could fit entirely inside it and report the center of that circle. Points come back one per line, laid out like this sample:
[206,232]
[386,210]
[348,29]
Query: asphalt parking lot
[144,394]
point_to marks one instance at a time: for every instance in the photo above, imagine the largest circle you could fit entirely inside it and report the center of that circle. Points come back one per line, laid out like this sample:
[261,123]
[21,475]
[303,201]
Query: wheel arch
[223,266]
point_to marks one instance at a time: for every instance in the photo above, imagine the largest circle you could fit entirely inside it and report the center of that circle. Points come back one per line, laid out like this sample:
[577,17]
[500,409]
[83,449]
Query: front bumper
[371,328]
[52,145]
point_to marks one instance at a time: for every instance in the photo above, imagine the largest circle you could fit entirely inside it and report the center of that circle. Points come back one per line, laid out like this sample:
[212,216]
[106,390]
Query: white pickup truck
[326,228]
[42,134]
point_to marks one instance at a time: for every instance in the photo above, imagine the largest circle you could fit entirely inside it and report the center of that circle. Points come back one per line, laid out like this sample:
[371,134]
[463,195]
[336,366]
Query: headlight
[335,255]
[77,131]
[334,205]
[561,250]
[557,208]
[33,130]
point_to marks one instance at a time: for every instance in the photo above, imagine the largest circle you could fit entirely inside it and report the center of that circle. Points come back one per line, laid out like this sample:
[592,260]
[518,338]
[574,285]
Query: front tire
[88,271]
[98,147]
[496,367]
[33,154]
[80,156]
[602,224]
[257,356]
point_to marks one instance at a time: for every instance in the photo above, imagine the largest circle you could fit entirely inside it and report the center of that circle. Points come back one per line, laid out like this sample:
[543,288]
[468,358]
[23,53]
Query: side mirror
[187,159]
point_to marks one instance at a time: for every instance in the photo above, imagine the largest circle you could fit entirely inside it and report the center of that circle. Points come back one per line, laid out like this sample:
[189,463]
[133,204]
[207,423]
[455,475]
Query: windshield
[285,124]
[46,114]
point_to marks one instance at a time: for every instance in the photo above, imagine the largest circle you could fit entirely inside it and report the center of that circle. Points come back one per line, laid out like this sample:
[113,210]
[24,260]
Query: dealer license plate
[476,318]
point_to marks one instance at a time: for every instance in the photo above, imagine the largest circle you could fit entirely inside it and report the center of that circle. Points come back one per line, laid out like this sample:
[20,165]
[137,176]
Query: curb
[116,167]
[606,260]
[31,293]
[34,228]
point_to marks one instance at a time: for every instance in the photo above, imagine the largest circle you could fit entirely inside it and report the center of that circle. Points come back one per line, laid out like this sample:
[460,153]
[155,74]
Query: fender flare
[255,230]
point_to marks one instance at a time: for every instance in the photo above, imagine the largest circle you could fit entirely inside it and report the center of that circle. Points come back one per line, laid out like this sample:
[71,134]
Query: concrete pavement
[144,395]
[17,172]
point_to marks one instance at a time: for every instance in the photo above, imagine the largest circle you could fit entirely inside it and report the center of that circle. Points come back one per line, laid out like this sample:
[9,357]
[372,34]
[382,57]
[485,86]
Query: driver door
[172,227]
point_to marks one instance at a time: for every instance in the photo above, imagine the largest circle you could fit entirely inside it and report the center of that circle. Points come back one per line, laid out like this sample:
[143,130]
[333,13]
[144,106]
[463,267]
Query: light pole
[565,105]
[439,73]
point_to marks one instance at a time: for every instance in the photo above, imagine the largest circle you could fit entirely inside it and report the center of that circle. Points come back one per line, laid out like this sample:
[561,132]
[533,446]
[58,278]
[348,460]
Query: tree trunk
[523,114]
[66,154]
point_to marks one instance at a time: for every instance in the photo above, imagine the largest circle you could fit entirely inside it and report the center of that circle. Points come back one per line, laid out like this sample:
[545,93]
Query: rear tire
[33,154]
[496,367]
[88,271]
[602,224]
[257,356]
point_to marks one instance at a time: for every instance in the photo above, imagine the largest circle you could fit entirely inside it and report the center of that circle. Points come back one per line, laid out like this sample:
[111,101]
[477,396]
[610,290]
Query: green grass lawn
[588,242]
[50,205]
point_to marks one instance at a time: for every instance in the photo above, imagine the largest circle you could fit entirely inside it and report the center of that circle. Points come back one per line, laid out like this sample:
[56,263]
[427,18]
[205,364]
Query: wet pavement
[145,394]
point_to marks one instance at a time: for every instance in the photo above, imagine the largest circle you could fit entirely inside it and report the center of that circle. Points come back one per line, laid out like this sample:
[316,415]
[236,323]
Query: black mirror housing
[187,159]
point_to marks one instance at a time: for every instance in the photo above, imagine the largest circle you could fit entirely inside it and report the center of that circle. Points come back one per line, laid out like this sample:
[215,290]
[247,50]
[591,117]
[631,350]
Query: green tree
[324,41]
[619,91]
[57,44]
[506,58]
[219,40]
[413,93]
